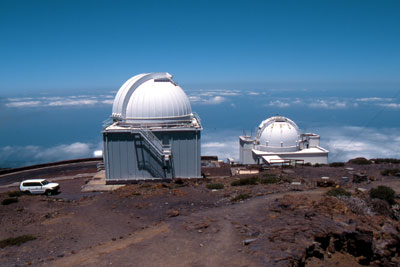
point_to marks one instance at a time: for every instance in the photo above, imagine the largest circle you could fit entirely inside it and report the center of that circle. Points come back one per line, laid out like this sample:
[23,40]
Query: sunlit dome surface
[151,97]
[278,134]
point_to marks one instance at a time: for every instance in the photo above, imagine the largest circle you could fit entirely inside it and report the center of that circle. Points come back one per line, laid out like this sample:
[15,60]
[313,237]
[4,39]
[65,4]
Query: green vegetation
[269,180]
[319,165]
[391,172]
[9,201]
[15,193]
[360,161]
[245,181]
[386,160]
[16,241]
[240,197]
[335,192]
[215,186]
[337,164]
[383,192]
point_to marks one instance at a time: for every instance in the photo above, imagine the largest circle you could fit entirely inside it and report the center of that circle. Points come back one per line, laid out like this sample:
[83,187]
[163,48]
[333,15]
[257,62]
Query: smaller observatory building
[279,141]
[152,132]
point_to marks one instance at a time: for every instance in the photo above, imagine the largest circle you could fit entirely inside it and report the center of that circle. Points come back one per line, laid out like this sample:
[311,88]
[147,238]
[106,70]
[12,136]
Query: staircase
[163,152]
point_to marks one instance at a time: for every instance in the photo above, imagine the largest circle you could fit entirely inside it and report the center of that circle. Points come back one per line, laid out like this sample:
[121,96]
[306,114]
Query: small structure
[279,141]
[152,132]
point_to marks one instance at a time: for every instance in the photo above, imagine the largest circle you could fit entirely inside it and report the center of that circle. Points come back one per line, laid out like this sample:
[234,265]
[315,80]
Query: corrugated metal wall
[127,157]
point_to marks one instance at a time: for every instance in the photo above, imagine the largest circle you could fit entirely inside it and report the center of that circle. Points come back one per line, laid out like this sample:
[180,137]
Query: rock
[172,212]
[248,241]
[359,178]
[325,183]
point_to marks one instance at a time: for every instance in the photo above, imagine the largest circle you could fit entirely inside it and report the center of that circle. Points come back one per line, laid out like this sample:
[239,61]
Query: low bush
[335,192]
[391,172]
[269,180]
[9,201]
[179,181]
[245,181]
[15,193]
[240,197]
[360,161]
[215,186]
[16,241]
[383,192]
[319,165]
[386,160]
[337,164]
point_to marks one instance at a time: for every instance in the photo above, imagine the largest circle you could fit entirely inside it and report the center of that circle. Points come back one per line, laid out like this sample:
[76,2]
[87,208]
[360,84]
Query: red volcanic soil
[183,223]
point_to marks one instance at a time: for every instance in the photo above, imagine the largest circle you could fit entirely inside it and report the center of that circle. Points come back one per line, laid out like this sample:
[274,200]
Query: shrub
[337,164]
[360,161]
[9,201]
[15,193]
[383,192]
[16,241]
[240,197]
[319,165]
[245,181]
[215,186]
[391,172]
[179,181]
[386,160]
[335,192]
[269,180]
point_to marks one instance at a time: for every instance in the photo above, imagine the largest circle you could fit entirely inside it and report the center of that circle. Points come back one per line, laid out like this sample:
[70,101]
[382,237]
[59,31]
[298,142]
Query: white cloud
[390,105]
[26,155]
[345,143]
[69,102]
[56,101]
[211,144]
[254,93]
[19,104]
[279,104]
[108,102]
[328,104]
[373,99]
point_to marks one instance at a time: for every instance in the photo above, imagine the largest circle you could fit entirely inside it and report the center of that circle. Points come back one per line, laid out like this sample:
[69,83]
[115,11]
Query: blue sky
[87,45]
[331,66]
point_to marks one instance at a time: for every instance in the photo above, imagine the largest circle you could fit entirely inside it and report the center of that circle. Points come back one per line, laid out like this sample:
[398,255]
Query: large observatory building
[152,132]
[279,141]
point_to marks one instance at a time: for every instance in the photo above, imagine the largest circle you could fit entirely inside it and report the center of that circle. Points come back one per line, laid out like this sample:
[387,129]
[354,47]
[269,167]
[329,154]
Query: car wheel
[26,192]
[48,192]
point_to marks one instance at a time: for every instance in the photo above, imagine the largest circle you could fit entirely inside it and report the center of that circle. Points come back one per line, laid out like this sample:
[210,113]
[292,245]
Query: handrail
[107,122]
[152,139]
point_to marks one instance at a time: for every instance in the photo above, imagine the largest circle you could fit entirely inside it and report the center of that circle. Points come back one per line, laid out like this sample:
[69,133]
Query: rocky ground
[183,223]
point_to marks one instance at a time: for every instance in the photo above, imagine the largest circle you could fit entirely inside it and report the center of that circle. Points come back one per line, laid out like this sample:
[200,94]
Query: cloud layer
[343,143]
[13,156]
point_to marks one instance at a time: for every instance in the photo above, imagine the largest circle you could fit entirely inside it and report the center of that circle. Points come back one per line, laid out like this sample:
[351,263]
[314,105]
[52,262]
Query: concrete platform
[98,184]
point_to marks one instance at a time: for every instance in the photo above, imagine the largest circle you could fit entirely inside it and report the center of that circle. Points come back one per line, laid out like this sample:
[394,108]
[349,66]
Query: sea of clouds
[344,141]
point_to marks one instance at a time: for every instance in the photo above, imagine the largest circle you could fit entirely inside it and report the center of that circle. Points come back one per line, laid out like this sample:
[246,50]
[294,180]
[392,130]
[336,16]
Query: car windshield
[44,182]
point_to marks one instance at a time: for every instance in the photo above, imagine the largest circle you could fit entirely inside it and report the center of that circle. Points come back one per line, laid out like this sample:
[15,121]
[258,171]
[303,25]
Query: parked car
[38,186]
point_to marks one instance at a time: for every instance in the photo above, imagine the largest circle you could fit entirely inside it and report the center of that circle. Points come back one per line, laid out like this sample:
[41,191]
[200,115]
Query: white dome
[152,97]
[278,134]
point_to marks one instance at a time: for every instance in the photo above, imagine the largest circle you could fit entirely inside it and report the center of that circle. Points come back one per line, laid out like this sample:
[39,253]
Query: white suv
[38,186]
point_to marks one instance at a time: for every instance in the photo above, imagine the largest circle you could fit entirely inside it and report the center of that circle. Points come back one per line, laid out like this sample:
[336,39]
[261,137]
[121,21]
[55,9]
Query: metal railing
[107,122]
[161,149]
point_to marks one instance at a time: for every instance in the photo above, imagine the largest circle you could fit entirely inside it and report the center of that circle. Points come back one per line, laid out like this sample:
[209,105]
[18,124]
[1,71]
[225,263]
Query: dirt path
[206,238]
[91,256]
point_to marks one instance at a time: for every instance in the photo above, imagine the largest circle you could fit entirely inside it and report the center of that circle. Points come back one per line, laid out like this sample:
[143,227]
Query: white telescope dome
[151,97]
[278,134]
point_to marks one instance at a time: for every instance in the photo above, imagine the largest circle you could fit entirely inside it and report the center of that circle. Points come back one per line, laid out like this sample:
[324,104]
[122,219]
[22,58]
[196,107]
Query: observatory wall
[128,158]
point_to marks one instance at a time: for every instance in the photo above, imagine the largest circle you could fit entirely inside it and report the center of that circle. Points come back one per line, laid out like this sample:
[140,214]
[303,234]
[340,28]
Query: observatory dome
[151,97]
[278,134]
